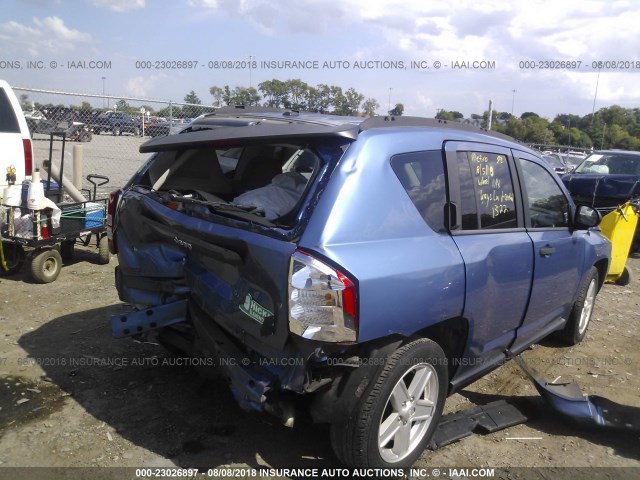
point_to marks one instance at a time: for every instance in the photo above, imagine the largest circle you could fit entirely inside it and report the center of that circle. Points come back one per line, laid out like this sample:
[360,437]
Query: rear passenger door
[486,222]
[558,252]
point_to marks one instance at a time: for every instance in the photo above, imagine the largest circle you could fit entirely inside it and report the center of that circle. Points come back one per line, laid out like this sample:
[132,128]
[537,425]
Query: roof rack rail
[249,109]
[402,121]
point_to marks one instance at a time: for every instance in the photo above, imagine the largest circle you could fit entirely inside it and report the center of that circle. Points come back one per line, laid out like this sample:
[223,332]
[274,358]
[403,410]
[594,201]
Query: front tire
[46,265]
[576,327]
[393,423]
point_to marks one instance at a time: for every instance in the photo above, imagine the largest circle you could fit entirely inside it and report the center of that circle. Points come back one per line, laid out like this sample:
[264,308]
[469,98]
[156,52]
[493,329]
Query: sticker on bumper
[254,310]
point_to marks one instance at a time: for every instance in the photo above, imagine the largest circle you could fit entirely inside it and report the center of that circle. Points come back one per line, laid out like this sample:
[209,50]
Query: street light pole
[513,100]
[103,99]
[595,95]
[251,57]
[389,109]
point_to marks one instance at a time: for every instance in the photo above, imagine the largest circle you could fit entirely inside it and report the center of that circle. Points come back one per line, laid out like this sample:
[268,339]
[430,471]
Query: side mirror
[586,217]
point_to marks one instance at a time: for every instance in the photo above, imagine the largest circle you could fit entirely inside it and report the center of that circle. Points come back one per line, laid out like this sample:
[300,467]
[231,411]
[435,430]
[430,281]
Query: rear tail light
[111,215]
[28,156]
[322,301]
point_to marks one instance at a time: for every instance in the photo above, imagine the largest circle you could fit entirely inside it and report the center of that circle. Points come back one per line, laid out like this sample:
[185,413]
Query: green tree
[370,105]
[217,93]
[526,115]
[191,97]
[297,91]
[351,102]
[397,111]
[274,91]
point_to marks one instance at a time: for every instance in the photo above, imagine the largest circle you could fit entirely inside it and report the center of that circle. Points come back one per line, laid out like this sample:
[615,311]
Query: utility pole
[490,115]
[513,100]
[389,109]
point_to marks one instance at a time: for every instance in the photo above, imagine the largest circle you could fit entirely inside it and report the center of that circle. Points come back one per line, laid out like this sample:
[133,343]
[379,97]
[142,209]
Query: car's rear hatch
[180,234]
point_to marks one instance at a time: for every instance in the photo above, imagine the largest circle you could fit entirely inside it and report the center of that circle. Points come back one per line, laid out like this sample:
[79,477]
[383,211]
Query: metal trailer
[38,237]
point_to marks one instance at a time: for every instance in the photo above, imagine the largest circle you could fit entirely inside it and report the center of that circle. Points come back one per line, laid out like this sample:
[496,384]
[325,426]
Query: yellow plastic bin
[619,227]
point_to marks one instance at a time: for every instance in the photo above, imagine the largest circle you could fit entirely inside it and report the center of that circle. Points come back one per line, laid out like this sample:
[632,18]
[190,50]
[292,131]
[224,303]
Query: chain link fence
[105,130]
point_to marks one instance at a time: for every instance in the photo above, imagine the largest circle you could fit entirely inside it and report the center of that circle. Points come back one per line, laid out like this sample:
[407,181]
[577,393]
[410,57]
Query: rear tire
[13,257]
[104,256]
[392,424]
[116,131]
[578,322]
[46,265]
[625,278]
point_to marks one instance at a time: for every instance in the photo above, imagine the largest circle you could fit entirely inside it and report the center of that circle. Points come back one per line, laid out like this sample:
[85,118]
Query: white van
[16,157]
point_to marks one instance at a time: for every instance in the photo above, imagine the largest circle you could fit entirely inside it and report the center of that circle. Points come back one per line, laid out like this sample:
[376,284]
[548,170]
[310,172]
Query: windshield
[610,164]
[553,161]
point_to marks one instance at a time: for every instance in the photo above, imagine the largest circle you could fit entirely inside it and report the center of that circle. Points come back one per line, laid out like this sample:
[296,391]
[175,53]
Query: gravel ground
[72,396]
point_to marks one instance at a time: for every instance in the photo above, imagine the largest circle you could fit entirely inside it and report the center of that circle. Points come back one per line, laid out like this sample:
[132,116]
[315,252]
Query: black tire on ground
[393,422]
[116,131]
[136,132]
[104,256]
[13,257]
[625,278]
[67,249]
[46,265]
[580,316]
[85,137]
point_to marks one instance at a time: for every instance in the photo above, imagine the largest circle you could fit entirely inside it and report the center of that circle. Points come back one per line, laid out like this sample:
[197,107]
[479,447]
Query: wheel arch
[602,266]
[451,335]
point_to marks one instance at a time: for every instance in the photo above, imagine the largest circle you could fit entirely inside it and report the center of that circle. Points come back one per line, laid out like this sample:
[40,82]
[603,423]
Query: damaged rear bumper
[252,378]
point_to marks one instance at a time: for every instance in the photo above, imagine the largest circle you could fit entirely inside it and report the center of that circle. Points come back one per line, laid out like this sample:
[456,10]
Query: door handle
[546,251]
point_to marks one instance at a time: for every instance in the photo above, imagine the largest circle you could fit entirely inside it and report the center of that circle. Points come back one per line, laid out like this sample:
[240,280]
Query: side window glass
[8,120]
[486,191]
[422,176]
[547,204]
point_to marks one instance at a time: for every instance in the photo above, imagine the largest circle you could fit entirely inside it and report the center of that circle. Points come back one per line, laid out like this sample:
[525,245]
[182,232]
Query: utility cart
[619,226]
[45,238]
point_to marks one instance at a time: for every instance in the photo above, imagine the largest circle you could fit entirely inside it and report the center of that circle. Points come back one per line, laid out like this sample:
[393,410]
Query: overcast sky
[397,32]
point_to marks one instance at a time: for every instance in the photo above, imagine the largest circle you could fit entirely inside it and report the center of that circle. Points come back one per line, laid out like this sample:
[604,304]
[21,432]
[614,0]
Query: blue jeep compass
[362,269]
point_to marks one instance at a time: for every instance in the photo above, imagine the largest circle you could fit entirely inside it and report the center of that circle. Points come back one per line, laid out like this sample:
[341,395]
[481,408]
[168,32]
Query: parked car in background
[606,179]
[116,123]
[556,162]
[16,153]
[167,127]
[360,269]
[572,160]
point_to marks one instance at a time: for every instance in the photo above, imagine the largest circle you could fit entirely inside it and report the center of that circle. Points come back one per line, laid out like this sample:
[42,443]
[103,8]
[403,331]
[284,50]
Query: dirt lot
[63,405]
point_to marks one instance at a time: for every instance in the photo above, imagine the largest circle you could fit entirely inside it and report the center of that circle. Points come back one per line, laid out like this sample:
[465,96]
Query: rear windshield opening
[267,180]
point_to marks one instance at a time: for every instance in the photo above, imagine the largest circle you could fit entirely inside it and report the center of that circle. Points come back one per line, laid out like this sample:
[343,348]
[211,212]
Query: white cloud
[142,87]
[47,36]
[119,5]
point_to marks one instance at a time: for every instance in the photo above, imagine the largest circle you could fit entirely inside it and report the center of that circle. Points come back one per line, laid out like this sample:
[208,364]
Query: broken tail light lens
[111,215]
[322,301]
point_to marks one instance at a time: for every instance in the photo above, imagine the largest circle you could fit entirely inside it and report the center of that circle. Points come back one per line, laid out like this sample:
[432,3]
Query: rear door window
[486,191]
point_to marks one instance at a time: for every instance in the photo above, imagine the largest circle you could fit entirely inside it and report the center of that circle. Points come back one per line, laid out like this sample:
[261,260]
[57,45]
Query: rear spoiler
[259,132]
